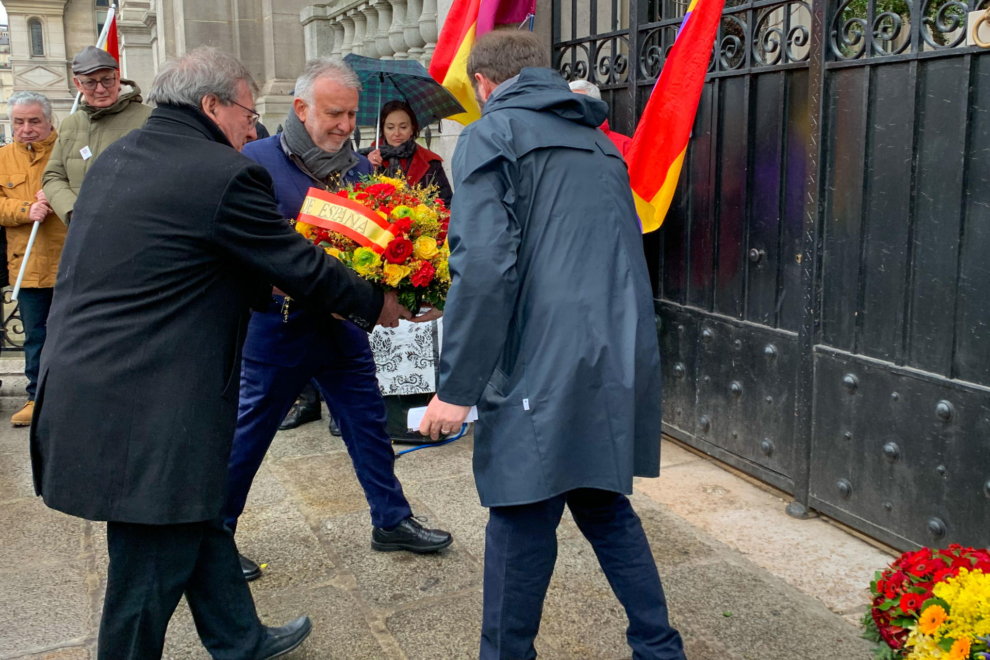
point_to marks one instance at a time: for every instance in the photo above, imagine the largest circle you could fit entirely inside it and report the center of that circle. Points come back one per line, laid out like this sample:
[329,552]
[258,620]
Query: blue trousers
[520,553]
[34,305]
[343,366]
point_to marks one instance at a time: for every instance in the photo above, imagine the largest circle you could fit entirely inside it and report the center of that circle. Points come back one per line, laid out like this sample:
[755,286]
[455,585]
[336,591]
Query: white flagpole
[100,43]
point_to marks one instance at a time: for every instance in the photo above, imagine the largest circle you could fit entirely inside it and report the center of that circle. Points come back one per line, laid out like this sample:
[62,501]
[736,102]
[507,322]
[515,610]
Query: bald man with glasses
[106,113]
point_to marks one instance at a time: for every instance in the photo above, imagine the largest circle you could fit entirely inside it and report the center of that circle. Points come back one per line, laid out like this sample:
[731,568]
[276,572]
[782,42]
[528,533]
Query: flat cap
[91,59]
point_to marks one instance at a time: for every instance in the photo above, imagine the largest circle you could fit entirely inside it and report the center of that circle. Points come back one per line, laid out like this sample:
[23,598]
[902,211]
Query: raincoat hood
[543,90]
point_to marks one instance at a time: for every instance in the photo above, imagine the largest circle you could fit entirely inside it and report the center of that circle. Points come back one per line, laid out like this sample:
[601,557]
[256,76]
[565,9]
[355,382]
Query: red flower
[401,226]
[343,193]
[398,251]
[424,275]
[911,602]
[942,574]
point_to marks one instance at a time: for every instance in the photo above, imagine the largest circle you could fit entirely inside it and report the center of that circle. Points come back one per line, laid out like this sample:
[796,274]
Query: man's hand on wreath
[431,315]
[445,418]
[392,311]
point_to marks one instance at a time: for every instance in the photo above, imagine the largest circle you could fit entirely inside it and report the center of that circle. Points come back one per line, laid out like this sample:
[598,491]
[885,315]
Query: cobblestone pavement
[308,521]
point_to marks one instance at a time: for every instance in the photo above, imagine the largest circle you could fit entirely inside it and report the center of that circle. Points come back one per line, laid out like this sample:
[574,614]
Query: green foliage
[870,632]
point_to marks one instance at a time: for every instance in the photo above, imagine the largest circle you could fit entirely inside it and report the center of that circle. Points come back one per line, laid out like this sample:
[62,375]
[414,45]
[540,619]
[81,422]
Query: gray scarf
[321,164]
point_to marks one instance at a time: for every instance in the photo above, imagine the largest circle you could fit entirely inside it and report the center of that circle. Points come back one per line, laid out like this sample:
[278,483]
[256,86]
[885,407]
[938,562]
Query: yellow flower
[931,619]
[425,214]
[443,271]
[365,261]
[333,252]
[922,647]
[305,229]
[425,248]
[400,184]
[960,649]
[968,596]
[394,273]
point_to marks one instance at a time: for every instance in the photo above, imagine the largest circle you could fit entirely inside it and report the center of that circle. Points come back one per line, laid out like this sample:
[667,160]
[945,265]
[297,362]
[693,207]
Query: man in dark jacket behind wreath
[137,397]
[549,329]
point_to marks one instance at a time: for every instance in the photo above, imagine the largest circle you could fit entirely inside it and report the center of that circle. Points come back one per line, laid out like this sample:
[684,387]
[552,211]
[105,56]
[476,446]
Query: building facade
[6,84]
[274,38]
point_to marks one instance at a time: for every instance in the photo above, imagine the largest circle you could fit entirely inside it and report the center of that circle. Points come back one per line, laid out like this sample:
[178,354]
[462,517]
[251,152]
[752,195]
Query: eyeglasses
[90,84]
[255,117]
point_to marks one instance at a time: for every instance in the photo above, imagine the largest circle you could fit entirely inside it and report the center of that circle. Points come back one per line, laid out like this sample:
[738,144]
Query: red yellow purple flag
[660,142]
[112,46]
[467,21]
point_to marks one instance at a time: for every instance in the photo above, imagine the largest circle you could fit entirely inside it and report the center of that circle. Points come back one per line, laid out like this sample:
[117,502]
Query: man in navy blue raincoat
[549,329]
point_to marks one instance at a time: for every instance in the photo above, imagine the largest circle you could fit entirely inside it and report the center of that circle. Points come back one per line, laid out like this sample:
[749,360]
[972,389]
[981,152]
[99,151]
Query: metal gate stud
[736,389]
[767,447]
[707,335]
[936,527]
[892,451]
[895,396]
[704,423]
[679,370]
[850,382]
[945,410]
[845,488]
[848,435]
[770,352]
[940,470]
[888,506]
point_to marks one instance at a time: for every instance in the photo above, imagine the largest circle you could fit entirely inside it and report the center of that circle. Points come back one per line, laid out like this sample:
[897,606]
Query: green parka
[96,128]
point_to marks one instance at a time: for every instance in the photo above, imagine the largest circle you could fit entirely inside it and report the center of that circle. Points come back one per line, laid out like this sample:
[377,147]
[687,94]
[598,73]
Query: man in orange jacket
[621,142]
[23,203]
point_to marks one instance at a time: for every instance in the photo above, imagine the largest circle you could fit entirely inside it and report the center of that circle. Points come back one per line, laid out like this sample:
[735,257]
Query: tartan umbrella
[388,80]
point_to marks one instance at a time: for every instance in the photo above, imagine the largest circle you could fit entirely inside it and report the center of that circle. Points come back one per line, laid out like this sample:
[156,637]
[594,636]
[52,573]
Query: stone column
[137,58]
[338,37]
[385,50]
[396,33]
[428,28]
[414,37]
[348,46]
[360,23]
[371,32]
[317,31]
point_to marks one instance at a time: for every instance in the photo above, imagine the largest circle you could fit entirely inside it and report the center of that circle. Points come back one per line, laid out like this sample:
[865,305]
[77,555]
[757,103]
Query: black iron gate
[823,277]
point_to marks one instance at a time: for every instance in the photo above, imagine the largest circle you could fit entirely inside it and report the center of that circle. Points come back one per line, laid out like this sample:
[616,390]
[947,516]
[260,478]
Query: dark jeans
[151,566]
[34,305]
[520,553]
[343,366]
[310,395]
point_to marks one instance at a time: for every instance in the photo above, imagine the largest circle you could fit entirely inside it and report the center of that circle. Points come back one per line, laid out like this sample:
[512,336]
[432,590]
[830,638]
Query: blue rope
[436,444]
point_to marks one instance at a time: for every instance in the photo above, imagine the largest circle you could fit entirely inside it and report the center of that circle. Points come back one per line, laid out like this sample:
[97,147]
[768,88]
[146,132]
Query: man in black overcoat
[175,236]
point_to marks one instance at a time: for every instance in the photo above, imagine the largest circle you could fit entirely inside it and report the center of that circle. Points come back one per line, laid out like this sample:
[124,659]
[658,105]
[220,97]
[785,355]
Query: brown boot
[23,416]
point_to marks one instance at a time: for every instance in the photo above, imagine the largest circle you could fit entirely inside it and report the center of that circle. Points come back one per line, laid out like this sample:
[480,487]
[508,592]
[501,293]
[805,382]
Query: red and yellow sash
[352,219]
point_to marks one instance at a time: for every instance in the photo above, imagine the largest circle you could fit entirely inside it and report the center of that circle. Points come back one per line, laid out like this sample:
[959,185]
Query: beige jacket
[95,129]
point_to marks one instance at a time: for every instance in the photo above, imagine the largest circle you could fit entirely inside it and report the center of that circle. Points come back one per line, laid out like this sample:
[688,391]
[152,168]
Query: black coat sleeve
[439,178]
[249,228]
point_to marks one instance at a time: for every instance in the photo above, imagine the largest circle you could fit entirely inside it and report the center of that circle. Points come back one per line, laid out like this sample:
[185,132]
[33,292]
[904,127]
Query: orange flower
[960,649]
[931,619]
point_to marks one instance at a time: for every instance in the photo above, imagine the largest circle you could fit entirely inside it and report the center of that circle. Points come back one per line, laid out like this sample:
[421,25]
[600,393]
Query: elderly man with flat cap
[105,115]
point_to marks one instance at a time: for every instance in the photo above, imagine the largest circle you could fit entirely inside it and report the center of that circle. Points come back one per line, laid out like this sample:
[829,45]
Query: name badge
[86,153]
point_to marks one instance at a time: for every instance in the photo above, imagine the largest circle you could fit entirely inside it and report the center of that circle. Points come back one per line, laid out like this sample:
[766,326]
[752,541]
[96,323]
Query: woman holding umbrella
[400,153]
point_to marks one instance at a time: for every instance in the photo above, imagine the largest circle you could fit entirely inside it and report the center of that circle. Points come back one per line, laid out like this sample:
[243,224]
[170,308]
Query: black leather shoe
[301,413]
[250,569]
[279,641]
[334,429]
[410,535]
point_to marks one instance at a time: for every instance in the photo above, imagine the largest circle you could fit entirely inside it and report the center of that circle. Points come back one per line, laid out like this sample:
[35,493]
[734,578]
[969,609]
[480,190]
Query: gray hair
[197,74]
[31,98]
[333,68]
[585,87]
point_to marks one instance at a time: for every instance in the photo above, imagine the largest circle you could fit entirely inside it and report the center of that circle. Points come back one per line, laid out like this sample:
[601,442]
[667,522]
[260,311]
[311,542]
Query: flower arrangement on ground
[387,232]
[932,605]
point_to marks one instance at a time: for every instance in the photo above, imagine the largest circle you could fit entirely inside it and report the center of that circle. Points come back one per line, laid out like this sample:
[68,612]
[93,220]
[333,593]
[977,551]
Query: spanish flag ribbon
[661,139]
[355,221]
[468,21]
[112,45]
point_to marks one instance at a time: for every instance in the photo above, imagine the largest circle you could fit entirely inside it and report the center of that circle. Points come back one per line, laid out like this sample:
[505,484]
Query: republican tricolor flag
[467,22]
[661,139]
[112,46]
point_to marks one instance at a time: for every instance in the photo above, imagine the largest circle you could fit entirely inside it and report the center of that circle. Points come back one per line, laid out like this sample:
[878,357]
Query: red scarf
[415,168]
